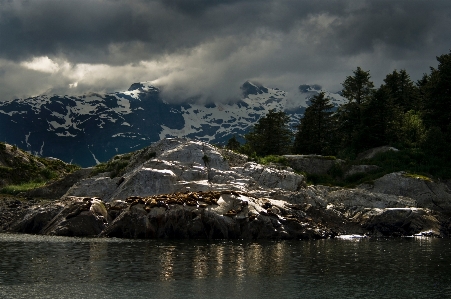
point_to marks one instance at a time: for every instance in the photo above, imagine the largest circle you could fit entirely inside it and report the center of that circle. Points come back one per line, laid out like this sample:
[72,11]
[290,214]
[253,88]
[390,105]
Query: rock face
[184,165]
[179,188]
[428,194]
[58,188]
[312,164]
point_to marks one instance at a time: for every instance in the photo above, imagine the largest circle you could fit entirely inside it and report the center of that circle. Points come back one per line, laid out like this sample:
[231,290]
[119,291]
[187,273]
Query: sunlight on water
[60,267]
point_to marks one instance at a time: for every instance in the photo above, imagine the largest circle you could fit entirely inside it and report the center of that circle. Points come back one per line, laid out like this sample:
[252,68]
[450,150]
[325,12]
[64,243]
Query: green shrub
[273,159]
[115,166]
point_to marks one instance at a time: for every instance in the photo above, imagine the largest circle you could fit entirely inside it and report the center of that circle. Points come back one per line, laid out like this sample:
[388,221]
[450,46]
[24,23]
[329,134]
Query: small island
[182,188]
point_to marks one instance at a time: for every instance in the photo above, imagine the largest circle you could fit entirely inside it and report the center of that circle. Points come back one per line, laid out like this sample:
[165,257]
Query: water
[59,267]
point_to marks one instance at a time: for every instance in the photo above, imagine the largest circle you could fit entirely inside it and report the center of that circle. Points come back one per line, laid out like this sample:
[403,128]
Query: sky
[208,48]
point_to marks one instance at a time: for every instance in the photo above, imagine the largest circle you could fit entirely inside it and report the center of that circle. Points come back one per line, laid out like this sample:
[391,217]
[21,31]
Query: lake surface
[60,267]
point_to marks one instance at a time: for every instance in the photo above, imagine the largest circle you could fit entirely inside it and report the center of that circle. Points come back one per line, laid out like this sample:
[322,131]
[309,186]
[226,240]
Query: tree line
[400,113]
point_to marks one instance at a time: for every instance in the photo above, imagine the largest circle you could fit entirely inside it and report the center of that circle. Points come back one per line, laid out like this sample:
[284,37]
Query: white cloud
[42,64]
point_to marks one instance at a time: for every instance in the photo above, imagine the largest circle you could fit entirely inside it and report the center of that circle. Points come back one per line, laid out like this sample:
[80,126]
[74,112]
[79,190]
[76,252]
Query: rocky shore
[179,188]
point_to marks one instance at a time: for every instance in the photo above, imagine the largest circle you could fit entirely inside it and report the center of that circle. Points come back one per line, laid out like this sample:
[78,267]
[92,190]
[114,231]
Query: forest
[414,117]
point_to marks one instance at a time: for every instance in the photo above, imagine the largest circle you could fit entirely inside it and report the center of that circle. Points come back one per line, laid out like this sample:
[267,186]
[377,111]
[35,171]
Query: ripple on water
[61,267]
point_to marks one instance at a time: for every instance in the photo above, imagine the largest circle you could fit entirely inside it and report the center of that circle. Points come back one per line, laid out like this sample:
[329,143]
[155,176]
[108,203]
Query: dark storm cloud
[85,30]
[213,46]
[106,31]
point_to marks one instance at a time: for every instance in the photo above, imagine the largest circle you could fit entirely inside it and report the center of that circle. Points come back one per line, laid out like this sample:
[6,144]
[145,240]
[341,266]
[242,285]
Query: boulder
[99,186]
[427,193]
[145,182]
[355,169]
[35,219]
[399,222]
[272,178]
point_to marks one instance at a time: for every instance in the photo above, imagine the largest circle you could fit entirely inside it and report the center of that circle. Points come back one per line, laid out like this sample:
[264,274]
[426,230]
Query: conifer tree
[438,95]
[358,90]
[271,135]
[233,144]
[378,120]
[402,91]
[314,134]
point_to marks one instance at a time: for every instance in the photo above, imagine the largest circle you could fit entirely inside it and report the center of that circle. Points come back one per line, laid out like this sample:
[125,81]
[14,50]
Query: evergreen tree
[358,90]
[402,91]
[377,120]
[233,144]
[314,134]
[438,95]
[271,135]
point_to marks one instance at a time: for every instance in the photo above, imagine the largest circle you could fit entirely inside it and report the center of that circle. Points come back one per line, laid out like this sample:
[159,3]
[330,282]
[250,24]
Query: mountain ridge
[91,128]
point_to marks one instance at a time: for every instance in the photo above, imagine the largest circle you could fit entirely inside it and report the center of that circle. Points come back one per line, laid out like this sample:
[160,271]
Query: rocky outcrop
[309,213]
[312,164]
[428,194]
[180,188]
[182,165]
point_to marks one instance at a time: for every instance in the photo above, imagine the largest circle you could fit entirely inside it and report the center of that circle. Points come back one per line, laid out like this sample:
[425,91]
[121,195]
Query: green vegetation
[269,136]
[413,162]
[315,133]
[414,117]
[16,189]
[116,166]
[417,176]
[21,171]
[273,159]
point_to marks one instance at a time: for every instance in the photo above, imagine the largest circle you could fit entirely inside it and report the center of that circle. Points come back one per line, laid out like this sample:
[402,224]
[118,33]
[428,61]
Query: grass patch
[273,159]
[16,189]
[416,176]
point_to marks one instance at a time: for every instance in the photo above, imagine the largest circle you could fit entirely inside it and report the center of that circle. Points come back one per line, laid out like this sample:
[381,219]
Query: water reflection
[225,269]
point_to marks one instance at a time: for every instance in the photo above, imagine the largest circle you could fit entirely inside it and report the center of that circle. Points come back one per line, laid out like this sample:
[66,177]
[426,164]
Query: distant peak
[136,86]
[309,87]
[142,86]
[251,88]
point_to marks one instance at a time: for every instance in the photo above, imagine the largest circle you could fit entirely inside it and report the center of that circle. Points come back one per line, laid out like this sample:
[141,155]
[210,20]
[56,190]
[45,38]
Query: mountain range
[92,128]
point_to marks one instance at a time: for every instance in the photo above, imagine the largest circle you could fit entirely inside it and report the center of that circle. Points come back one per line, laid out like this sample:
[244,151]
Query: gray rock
[185,165]
[99,186]
[427,193]
[354,169]
[145,182]
[272,178]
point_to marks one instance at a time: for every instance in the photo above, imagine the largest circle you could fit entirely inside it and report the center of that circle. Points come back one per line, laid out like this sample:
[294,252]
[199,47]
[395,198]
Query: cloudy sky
[211,47]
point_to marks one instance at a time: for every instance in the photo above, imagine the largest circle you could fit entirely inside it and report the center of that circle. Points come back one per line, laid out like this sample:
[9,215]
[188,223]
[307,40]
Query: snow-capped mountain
[92,128]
